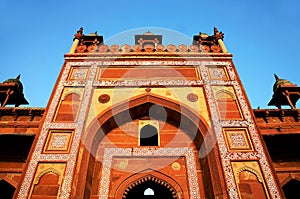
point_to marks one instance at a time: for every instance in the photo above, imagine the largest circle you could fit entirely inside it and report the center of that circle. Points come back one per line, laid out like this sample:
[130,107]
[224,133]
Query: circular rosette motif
[148,48]
[81,49]
[92,48]
[114,48]
[126,48]
[194,48]
[182,48]
[103,49]
[137,48]
[104,98]
[171,48]
[215,48]
[160,48]
[192,97]
[205,48]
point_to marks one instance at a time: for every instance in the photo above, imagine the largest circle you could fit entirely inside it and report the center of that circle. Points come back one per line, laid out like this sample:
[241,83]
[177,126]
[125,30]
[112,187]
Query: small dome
[16,81]
[148,33]
[280,82]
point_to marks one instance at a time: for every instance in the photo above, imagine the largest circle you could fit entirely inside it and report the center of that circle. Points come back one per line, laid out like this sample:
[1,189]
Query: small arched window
[149,136]
[69,107]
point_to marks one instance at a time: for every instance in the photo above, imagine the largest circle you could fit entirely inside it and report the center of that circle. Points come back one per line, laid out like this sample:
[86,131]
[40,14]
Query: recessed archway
[149,187]
[178,115]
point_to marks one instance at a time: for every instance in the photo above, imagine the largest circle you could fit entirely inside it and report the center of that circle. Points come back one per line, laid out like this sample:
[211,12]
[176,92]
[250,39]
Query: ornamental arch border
[149,175]
[96,124]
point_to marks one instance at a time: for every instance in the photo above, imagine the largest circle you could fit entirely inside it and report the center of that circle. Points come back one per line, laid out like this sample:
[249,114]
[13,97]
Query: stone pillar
[76,40]
[219,37]
[222,45]
[74,46]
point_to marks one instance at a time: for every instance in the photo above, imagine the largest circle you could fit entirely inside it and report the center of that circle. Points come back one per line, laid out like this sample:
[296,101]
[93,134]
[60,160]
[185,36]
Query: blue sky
[263,36]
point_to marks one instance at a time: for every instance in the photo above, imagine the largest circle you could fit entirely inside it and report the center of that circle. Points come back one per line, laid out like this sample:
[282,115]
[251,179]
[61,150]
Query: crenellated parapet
[148,43]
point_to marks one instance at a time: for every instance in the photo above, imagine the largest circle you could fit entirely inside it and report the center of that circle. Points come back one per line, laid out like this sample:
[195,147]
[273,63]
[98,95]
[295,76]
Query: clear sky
[263,36]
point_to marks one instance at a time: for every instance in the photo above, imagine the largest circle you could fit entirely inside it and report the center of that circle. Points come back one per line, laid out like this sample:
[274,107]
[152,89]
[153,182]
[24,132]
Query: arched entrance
[149,187]
[179,117]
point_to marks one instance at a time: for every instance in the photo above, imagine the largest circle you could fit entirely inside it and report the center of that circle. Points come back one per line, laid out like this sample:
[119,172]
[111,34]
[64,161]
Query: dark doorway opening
[150,190]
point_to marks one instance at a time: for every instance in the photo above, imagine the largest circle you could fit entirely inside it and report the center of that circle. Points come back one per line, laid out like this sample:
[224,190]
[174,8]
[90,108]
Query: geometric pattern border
[109,153]
[78,73]
[237,139]
[58,141]
[226,156]
[217,72]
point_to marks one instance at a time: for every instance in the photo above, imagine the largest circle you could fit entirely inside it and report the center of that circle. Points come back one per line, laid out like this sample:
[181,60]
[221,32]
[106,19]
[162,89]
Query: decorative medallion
[92,48]
[160,48]
[148,48]
[103,48]
[114,48]
[182,48]
[171,48]
[104,98]
[81,49]
[192,97]
[194,48]
[215,48]
[126,48]
[176,166]
[205,48]
[123,164]
[137,48]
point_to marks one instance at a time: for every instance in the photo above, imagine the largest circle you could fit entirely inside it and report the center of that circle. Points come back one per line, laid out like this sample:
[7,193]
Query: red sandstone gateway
[148,121]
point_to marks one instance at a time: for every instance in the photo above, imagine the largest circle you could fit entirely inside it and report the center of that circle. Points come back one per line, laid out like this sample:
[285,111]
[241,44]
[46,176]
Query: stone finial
[79,34]
[217,34]
[285,93]
[281,83]
[16,81]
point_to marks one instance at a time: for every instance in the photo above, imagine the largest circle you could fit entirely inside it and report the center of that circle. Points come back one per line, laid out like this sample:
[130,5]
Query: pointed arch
[253,171]
[149,176]
[228,106]
[125,111]
[48,171]
[251,184]
[225,93]
[179,115]
[68,107]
